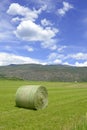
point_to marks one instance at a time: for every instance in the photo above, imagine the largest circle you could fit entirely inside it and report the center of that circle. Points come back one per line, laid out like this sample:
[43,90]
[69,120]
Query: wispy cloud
[51,4]
[45,22]
[61,48]
[78,56]
[66,7]
[50,44]
[28,48]
[84,26]
[6,27]
[55,58]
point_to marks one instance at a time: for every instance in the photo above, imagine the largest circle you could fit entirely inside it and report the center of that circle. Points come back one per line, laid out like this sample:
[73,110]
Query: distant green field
[67,108]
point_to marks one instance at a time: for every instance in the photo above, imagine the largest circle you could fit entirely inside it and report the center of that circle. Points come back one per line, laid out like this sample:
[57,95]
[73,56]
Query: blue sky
[43,32]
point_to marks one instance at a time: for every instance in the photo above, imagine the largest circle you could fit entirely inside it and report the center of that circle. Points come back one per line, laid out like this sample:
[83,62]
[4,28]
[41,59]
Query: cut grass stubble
[67,108]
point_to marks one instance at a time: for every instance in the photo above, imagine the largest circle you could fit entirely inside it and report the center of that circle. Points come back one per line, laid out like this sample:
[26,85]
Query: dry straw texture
[32,97]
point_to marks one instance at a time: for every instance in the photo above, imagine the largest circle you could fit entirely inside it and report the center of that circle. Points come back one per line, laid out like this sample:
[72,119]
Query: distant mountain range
[36,72]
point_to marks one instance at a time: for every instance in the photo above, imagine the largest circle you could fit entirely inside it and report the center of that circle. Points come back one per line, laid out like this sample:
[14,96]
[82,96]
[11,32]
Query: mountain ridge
[38,72]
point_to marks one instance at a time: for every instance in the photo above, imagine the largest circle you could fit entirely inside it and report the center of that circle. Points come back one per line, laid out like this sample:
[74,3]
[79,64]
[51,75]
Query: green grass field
[67,108]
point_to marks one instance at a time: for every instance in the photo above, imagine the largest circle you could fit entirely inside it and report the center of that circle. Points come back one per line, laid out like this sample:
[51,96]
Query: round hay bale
[32,97]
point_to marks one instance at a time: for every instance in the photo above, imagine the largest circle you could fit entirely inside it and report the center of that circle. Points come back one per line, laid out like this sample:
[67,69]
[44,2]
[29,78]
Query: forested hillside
[44,72]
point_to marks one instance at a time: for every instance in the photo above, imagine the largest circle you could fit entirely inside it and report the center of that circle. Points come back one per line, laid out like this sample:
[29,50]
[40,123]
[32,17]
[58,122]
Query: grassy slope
[67,109]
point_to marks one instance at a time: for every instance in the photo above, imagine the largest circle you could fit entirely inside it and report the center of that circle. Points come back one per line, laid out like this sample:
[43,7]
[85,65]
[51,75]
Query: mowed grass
[67,108]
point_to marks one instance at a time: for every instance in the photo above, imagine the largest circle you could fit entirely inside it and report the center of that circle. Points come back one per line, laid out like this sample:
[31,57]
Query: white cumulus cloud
[7,58]
[25,12]
[29,31]
[57,61]
[81,64]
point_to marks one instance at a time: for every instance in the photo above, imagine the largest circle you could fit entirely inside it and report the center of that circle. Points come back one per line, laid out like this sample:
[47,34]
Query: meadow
[66,110]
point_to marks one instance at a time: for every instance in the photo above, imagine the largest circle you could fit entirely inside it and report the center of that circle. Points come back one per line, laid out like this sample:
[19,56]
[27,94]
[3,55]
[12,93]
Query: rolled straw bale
[32,97]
